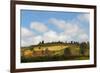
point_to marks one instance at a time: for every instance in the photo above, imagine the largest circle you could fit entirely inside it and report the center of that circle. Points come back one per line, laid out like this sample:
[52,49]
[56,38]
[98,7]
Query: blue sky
[57,22]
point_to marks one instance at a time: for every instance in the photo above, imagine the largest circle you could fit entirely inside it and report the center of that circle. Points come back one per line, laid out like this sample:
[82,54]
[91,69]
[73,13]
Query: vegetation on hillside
[55,51]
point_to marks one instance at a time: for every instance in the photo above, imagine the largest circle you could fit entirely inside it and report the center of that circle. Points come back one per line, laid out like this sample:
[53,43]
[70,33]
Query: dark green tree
[31,48]
[42,42]
[67,52]
[83,47]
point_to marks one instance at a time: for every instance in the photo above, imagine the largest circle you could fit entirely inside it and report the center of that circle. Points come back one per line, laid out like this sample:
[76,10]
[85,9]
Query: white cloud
[71,30]
[25,32]
[53,36]
[59,23]
[50,36]
[40,27]
[37,39]
[68,27]
[26,37]
[83,37]
[27,41]
[84,17]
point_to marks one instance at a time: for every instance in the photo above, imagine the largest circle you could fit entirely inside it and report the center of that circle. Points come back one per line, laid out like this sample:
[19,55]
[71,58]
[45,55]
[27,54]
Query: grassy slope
[58,50]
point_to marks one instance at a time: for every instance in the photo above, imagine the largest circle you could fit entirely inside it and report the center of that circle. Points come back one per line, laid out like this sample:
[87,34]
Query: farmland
[55,51]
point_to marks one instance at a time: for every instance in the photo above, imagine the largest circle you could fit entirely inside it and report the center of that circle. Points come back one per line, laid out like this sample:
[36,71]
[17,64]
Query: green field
[54,52]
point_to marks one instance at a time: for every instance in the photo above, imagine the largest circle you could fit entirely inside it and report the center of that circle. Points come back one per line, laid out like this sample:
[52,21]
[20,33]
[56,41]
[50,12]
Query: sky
[52,26]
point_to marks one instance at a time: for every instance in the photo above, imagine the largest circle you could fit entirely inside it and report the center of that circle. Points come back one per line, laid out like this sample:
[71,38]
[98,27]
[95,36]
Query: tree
[83,47]
[42,42]
[71,42]
[31,48]
[67,52]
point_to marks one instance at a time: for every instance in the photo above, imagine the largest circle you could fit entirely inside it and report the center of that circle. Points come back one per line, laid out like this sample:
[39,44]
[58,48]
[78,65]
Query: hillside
[59,50]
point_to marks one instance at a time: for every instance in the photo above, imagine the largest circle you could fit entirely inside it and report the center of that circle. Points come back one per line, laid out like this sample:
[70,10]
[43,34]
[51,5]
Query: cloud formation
[40,27]
[71,31]
[26,36]
[26,32]
[84,17]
